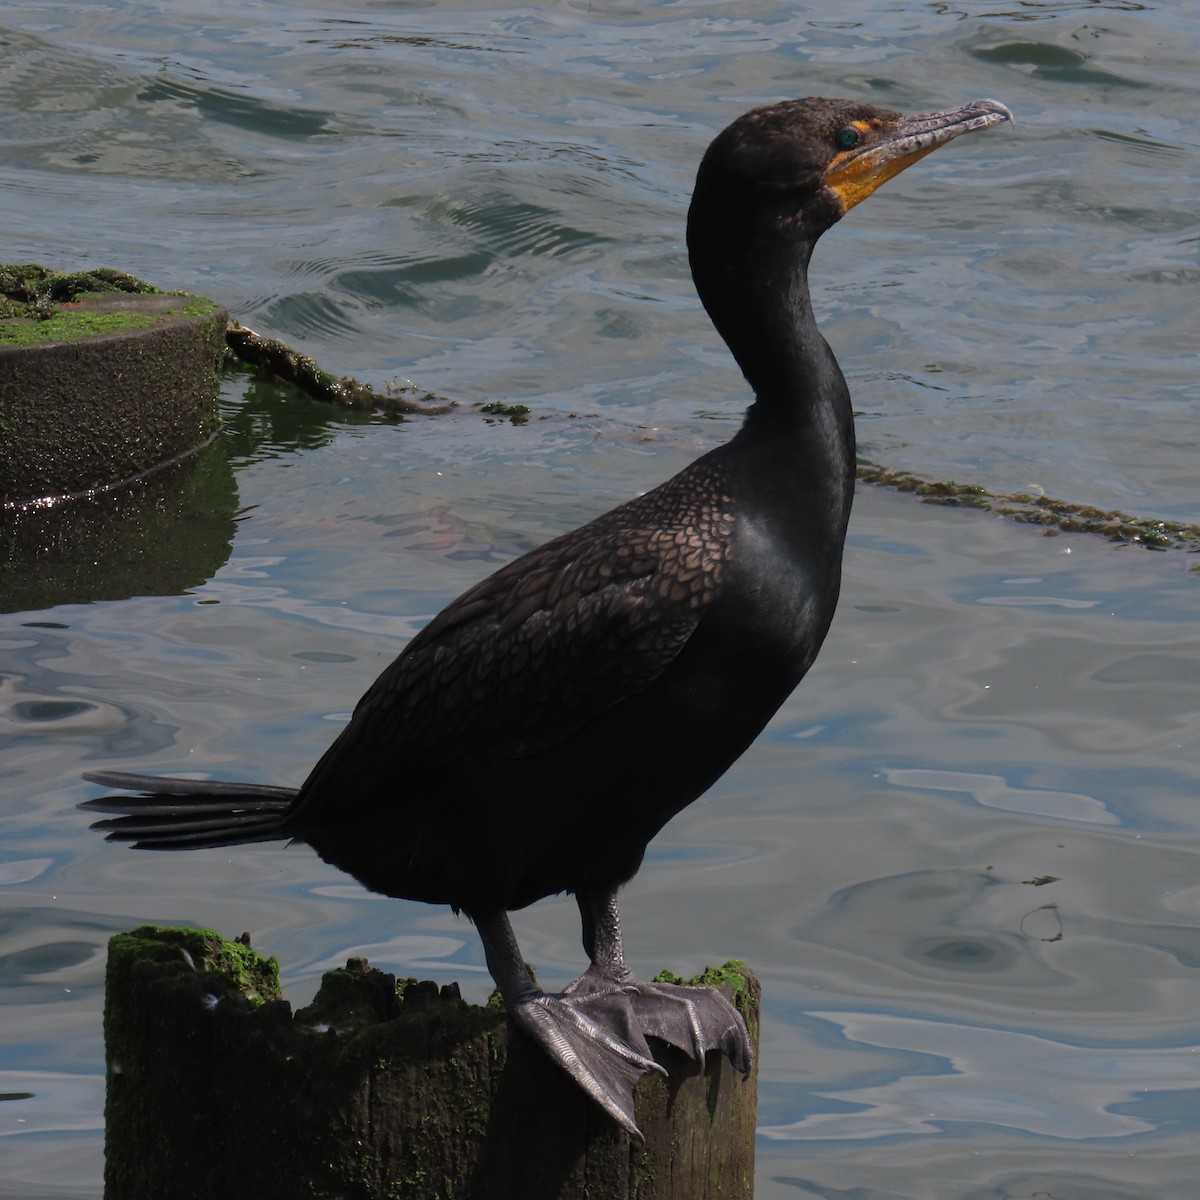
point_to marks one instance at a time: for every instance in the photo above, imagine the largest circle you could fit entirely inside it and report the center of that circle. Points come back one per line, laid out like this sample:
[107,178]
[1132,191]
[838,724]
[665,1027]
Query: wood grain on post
[215,1088]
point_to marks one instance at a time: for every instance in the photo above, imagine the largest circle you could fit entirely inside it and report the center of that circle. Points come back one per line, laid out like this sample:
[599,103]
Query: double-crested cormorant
[544,727]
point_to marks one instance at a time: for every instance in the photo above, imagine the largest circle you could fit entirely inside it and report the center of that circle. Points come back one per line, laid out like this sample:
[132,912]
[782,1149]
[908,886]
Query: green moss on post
[376,1091]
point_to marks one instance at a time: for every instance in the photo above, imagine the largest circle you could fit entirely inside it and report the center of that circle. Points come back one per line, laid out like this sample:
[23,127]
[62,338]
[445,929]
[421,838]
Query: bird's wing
[534,651]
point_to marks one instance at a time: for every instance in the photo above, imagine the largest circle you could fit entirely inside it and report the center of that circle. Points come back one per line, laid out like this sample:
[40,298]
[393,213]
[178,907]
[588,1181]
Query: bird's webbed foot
[591,1033]
[596,1029]
[693,1019]
[594,1037]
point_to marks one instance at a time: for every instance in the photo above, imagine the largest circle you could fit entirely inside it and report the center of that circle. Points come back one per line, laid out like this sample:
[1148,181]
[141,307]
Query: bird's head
[769,186]
[792,169]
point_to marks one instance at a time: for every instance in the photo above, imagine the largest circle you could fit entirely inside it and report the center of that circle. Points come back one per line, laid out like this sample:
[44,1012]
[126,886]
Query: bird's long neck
[757,296]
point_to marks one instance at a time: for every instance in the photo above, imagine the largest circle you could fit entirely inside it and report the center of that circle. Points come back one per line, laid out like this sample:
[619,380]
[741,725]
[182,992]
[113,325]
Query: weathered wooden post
[215,1089]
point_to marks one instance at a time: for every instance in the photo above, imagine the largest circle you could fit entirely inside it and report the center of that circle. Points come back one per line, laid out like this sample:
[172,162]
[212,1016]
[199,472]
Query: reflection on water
[945,1075]
[964,857]
[266,420]
[166,532]
[996,792]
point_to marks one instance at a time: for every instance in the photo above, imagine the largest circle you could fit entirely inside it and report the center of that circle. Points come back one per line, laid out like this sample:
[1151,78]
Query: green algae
[735,979]
[33,293]
[274,359]
[38,305]
[32,284]
[1054,515]
[71,327]
[200,955]
[518,414]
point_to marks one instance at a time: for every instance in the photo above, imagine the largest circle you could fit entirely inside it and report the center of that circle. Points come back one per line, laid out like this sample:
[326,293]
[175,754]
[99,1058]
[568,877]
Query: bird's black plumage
[541,729]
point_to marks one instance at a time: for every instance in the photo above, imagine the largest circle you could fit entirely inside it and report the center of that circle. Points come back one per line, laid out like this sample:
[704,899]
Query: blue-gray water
[491,202]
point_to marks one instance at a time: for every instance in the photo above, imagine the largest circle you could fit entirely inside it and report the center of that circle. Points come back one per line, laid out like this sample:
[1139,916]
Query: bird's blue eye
[848,138]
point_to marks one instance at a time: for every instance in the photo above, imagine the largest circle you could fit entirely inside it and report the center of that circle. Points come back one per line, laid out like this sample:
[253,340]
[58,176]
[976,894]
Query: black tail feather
[210,790]
[189,814]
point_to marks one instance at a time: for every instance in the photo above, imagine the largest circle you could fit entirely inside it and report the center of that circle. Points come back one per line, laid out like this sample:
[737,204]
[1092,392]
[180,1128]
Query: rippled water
[491,202]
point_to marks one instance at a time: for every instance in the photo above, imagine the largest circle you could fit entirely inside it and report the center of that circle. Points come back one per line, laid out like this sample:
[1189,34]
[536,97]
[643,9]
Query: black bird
[539,732]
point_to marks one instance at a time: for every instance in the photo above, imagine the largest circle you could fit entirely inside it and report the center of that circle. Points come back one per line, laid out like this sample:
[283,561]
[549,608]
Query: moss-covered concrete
[98,387]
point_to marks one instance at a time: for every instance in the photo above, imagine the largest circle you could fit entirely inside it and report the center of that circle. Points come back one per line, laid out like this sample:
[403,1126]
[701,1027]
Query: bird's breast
[782,588]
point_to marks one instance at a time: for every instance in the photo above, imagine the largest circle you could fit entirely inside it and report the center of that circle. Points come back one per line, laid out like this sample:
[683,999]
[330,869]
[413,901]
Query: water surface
[491,202]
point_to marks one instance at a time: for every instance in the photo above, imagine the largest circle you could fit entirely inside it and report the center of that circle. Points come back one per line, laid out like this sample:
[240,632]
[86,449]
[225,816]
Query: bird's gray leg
[503,955]
[694,1019]
[592,1036]
[601,919]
